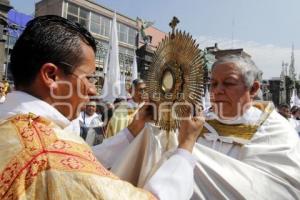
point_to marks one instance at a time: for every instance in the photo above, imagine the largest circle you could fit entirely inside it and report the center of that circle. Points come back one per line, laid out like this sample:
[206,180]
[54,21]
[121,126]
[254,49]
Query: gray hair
[249,70]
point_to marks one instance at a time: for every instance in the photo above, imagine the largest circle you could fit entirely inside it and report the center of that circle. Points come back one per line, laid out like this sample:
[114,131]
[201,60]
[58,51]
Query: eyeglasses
[142,90]
[90,78]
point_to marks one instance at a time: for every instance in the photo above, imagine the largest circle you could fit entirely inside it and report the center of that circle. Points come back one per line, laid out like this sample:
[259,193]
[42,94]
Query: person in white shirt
[91,125]
[89,117]
[51,64]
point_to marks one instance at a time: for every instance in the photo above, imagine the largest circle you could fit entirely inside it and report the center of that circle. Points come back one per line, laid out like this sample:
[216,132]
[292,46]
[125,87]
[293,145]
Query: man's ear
[48,74]
[254,89]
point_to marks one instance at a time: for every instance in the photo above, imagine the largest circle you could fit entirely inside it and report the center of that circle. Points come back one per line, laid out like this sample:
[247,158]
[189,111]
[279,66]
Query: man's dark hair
[118,100]
[136,82]
[295,109]
[50,39]
[283,106]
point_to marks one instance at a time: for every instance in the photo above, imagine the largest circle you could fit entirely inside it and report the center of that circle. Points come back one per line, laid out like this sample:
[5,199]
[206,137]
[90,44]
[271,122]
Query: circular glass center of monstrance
[167,81]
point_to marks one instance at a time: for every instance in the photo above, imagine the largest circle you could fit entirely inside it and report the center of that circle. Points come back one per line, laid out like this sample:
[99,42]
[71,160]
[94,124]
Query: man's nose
[92,91]
[218,89]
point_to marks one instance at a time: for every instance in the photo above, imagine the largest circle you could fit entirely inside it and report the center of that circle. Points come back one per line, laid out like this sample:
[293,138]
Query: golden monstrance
[175,78]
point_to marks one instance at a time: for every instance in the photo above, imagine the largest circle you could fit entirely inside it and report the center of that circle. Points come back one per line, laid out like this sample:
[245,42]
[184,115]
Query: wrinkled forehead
[225,69]
[226,64]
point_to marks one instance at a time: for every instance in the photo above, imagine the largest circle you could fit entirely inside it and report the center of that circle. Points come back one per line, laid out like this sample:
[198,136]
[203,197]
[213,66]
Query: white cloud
[267,57]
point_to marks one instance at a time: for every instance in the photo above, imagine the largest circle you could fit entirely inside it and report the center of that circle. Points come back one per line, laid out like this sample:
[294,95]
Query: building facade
[281,88]
[4,8]
[146,50]
[98,20]
[16,24]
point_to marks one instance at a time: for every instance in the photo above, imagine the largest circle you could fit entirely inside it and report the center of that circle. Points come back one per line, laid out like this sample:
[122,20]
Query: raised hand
[189,131]
[144,114]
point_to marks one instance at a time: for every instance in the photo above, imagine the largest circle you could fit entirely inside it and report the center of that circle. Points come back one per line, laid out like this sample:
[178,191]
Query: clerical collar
[251,116]
[19,102]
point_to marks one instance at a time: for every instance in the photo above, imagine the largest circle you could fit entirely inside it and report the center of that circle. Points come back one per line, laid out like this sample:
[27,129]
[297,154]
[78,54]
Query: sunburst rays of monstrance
[175,78]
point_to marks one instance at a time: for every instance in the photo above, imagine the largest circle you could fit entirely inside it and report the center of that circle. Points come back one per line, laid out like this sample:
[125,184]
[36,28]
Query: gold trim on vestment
[241,131]
[43,151]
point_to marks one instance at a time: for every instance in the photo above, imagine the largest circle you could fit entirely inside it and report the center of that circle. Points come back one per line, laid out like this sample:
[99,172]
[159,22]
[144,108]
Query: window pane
[131,36]
[102,48]
[95,23]
[83,22]
[123,33]
[105,26]
[122,50]
[126,59]
[126,51]
[95,18]
[72,18]
[12,41]
[95,28]
[65,10]
[84,13]
[73,9]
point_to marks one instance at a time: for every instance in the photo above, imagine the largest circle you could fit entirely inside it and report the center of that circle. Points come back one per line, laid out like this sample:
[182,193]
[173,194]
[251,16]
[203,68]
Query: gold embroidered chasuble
[36,164]
[121,118]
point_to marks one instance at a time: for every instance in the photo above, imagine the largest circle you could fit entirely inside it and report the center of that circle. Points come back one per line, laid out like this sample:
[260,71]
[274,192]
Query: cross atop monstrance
[173,25]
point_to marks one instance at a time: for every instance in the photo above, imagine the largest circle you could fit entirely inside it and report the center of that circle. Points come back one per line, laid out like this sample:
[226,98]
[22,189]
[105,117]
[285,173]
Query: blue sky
[266,29]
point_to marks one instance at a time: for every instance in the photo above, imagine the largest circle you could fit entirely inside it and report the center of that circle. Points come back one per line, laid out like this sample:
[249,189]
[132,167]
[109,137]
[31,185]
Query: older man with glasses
[52,64]
[246,149]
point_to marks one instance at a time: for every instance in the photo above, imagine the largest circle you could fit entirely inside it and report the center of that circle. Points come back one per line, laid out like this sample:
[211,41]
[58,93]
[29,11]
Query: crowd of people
[101,119]
[291,114]
[241,148]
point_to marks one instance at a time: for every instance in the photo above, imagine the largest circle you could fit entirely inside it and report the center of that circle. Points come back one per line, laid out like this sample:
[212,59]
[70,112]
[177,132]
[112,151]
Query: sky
[265,29]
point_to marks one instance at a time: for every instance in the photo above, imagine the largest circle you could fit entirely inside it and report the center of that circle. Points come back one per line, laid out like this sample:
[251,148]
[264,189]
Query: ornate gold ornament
[175,78]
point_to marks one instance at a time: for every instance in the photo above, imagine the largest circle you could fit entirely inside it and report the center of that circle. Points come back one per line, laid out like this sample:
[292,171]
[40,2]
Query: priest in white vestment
[246,150]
